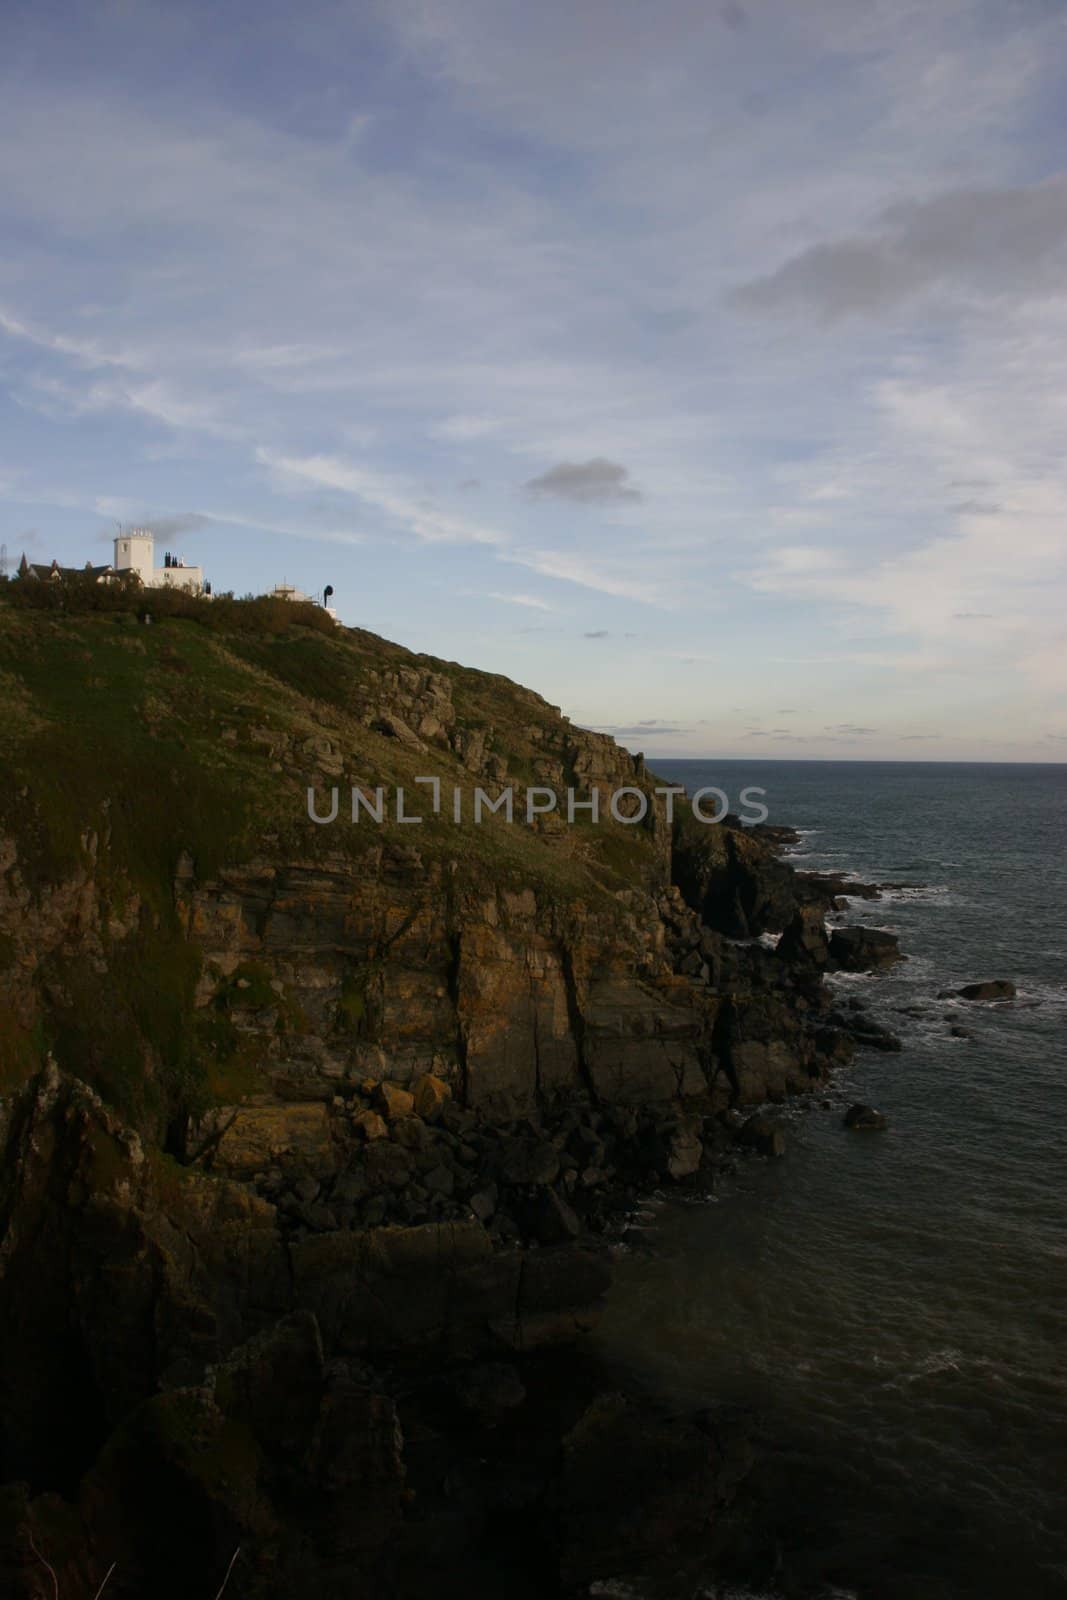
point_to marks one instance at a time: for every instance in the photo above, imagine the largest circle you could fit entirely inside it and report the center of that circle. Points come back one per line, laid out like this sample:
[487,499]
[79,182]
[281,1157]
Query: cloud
[603,576]
[528,600]
[654,729]
[598,633]
[585,482]
[463,428]
[989,242]
[428,523]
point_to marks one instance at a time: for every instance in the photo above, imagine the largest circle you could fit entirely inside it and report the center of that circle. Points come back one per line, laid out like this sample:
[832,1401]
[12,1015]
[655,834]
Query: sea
[894,1305]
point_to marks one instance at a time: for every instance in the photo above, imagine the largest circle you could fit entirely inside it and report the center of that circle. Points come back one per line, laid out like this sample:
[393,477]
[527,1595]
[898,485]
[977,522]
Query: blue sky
[703,366]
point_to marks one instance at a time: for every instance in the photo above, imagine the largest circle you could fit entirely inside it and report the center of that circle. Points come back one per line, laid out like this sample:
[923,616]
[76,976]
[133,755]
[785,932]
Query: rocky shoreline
[317,1144]
[362,1363]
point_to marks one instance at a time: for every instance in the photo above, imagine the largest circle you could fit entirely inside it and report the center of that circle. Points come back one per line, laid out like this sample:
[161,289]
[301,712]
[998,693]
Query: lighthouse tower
[135,549]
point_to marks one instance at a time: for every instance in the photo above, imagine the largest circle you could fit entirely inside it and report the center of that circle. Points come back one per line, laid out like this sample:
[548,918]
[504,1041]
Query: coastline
[476,1326]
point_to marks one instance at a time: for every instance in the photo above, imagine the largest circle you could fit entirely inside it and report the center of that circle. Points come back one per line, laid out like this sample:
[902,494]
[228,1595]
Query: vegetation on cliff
[131,747]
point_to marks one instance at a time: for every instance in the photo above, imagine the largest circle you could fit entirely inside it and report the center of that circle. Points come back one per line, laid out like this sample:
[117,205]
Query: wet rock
[685,1149]
[866,1031]
[989,989]
[865,1118]
[864,949]
[835,1046]
[762,1134]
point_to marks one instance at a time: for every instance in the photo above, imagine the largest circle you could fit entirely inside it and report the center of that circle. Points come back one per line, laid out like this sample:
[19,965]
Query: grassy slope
[185,737]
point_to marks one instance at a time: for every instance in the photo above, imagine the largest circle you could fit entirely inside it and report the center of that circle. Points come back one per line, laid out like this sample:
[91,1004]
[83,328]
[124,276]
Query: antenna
[3,561]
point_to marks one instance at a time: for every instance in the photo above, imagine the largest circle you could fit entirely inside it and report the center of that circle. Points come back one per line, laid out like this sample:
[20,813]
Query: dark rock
[804,942]
[835,1045]
[548,1218]
[864,949]
[762,1134]
[527,1160]
[388,1166]
[990,989]
[637,1484]
[410,1132]
[865,1031]
[685,1149]
[483,1204]
[489,1391]
[864,1118]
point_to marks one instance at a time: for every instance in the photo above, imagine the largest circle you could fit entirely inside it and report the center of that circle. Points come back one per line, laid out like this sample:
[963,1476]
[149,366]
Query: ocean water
[895,1305]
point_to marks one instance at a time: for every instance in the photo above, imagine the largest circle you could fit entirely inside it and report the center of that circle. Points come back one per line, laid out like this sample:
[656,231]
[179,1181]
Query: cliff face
[285,1102]
[176,929]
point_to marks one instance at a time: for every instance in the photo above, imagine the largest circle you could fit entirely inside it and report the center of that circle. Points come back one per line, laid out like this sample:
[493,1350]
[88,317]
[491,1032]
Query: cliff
[290,1105]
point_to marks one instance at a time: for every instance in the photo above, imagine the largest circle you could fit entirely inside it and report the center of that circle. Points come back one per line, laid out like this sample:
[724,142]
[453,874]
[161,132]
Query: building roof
[52,569]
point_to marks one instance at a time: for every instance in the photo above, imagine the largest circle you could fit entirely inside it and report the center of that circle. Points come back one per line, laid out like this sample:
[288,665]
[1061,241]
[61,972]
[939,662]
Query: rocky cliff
[292,1109]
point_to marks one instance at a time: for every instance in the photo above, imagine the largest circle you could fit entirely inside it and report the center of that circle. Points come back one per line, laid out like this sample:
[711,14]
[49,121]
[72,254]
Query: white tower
[135,548]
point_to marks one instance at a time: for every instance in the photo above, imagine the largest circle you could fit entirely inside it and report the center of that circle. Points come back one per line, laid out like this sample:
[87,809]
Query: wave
[912,893]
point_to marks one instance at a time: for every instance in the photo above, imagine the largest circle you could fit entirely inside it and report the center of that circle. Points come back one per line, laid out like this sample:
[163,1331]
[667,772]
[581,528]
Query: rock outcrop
[311,1132]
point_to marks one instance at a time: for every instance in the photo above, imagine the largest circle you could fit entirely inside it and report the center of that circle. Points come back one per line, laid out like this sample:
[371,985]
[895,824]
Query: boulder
[865,1031]
[430,1094]
[865,1118]
[990,989]
[762,1134]
[528,1161]
[394,1102]
[388,1166]
[804,942]
[863,949]
[371,1125]
[483,1203]
[685,1149]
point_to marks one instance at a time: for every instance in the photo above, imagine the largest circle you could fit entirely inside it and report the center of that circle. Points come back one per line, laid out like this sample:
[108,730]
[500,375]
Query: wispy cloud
[426,522]
[530,601]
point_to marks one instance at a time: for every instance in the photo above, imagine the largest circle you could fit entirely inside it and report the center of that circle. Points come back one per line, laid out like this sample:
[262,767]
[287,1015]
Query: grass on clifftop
[129,747]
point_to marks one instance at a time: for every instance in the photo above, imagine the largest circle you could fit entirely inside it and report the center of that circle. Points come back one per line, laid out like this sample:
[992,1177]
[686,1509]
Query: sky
[701,365]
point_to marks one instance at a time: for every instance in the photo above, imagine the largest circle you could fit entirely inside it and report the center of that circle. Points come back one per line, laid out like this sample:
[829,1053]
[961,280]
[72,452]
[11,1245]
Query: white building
[288,591]
[135,551]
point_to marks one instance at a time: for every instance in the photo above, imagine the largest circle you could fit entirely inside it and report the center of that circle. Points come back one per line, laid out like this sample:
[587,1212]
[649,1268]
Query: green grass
[130,747]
